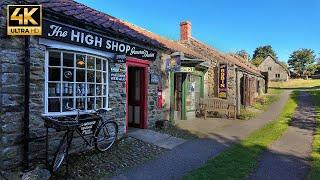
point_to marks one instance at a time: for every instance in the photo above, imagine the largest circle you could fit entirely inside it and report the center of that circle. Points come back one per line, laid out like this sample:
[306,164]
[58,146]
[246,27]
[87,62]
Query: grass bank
[315,155]
[241,159]
[296,84]
[262,104]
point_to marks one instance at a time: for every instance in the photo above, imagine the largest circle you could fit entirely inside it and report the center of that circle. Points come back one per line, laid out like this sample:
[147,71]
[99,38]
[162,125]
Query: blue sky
[227,25]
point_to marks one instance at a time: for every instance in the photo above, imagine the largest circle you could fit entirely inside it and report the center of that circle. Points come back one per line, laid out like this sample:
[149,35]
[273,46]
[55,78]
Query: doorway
[137,92]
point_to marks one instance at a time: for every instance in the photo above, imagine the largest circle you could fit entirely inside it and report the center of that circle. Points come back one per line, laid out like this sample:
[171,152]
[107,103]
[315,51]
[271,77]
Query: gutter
[26,117]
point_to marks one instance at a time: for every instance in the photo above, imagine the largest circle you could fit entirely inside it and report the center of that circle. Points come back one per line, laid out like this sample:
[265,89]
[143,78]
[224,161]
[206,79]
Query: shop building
[89,60]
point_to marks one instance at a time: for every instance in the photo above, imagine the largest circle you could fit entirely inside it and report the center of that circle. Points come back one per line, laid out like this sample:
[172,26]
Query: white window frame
[74,82]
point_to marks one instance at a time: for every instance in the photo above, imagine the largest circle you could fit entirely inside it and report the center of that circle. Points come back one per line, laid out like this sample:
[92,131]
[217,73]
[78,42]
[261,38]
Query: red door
[137,92]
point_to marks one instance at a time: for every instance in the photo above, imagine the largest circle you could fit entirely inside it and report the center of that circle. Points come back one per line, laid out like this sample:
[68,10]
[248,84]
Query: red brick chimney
[185,30]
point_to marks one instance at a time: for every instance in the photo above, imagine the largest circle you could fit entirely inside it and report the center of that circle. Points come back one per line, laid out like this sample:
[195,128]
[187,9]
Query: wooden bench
[218,105]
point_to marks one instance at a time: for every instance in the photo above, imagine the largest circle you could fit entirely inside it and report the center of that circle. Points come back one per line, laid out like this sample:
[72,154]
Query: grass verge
[241,159]
[262,104]
[297,84]
[315,154]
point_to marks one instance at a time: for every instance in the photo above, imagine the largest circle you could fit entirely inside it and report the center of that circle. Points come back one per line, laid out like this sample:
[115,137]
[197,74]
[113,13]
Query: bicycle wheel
[106,135]
[61,153]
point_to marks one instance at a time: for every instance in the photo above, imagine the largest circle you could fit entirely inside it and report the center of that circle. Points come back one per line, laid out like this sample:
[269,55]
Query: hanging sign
[173,64]
[223,81]
[82,37]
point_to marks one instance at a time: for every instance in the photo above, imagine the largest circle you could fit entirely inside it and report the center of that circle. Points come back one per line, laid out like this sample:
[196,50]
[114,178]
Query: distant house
[276,71]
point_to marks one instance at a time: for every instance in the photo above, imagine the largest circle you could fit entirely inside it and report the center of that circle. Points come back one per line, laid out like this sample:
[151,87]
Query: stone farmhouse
[159,78]
[276,71]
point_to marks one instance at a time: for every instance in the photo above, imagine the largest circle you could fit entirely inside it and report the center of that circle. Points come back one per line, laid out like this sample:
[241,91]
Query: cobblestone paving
[127,153]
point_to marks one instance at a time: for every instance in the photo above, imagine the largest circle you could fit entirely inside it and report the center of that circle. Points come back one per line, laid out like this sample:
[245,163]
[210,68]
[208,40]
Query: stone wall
[12,95]
[276,68]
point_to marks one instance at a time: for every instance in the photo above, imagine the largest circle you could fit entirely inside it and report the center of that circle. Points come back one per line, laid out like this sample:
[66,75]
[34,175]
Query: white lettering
[73,35]
[115,46]
[108,44]
[122,47]
[56,31]
[98,41]
[89,39]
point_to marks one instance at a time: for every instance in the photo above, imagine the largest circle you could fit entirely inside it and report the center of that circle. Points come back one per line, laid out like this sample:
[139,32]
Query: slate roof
[211,52]
[87,15]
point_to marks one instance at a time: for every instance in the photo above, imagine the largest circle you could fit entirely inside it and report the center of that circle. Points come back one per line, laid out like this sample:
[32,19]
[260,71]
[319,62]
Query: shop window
[79,80]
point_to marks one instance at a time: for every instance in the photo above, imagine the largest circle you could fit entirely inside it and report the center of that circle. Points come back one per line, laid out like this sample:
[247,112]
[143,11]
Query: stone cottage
[276,70]
[244,80]
[158,79]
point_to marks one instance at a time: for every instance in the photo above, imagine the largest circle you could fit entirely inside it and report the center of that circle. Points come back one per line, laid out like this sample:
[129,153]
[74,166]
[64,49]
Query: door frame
[134,62]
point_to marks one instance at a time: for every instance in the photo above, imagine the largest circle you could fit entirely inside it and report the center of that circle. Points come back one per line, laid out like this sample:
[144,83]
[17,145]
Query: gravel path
[191,155]
[286,159]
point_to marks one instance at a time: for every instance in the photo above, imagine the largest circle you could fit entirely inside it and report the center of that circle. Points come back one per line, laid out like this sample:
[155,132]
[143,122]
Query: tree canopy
[261,53]
[302,61]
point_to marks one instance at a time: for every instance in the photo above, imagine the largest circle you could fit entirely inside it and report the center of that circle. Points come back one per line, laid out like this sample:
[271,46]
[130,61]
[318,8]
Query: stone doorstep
[159,139]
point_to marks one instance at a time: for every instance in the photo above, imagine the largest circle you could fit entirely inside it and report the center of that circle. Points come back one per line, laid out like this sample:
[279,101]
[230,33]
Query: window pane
[67,89]
[104,77]
[90,76]
[54,74]
[104,65]
[81,61]
[54,89]
[91,90]
[54,58]
[98,64]
[54,105]
[99,90]
[68,74]
[104,102]
[80,89]
[98,103]
[105,90]
[67,102]
[68,59]
[80,75]
[90,103]
[98,77]
[90,61]
[80,103]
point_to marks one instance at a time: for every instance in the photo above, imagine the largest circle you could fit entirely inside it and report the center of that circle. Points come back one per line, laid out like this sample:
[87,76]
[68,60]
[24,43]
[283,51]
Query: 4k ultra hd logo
[24,20]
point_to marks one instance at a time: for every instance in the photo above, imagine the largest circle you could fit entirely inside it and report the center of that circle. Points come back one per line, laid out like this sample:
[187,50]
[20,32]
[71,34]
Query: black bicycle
[91,128]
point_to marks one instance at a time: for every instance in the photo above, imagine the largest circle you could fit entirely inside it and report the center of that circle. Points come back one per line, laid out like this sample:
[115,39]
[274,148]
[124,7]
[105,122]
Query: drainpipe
[26,102]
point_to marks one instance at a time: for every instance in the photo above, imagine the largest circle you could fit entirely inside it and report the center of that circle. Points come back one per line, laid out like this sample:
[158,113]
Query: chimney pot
[185,30]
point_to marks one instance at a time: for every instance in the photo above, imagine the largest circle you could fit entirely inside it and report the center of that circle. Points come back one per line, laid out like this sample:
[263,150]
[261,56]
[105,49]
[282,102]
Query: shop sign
[82,37]
[187,69]
[120,58]
[173,64]
[154,78]
[86,127]
[223,81]
[118,72]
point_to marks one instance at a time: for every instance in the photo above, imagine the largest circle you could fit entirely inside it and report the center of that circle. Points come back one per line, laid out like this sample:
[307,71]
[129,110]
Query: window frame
[74,82]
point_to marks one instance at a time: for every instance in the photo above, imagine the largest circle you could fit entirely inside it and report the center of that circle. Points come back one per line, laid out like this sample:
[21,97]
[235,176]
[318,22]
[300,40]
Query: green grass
[315,155]
[241,159]
[297,84]
[262,104]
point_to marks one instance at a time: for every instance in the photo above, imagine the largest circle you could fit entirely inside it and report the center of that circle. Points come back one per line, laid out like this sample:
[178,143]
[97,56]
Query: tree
[301,61]
[244,54]
[261,53]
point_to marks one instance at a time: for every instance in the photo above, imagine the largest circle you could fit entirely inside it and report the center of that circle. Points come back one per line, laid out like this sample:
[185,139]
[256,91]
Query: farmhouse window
[75,79]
